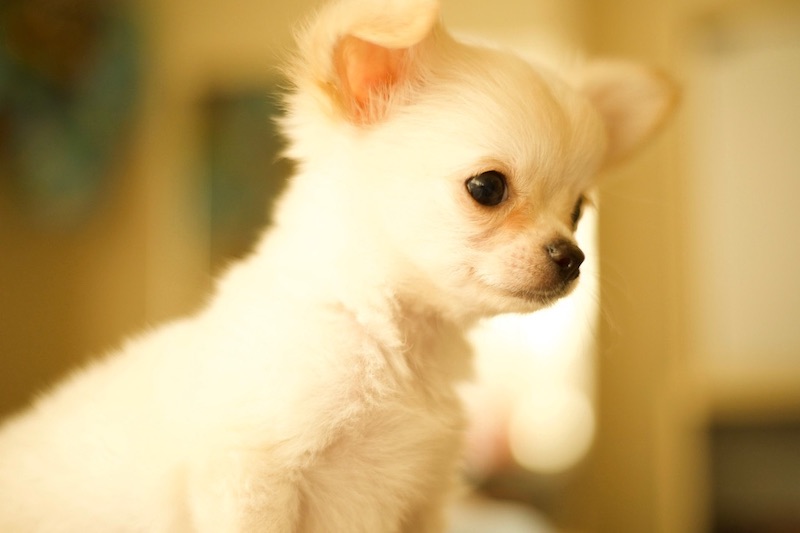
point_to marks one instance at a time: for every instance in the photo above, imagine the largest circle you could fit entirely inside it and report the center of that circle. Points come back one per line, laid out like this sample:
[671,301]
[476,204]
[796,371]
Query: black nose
[568,257]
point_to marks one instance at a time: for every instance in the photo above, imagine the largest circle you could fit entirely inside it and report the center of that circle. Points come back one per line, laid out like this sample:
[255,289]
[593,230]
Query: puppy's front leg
[241,491]
[429,518]
[431,515]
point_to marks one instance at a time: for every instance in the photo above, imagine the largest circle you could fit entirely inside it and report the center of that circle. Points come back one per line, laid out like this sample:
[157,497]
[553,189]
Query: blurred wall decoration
[243,167]
[68,80]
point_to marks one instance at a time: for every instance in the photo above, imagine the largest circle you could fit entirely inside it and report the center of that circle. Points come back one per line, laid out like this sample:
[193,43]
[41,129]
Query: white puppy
[438,183]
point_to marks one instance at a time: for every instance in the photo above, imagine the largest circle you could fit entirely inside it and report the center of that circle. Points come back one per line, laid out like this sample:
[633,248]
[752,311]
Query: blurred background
[137,159]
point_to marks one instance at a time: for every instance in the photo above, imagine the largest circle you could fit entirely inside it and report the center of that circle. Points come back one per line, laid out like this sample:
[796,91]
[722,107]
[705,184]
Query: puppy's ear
[360,54]
[632,100]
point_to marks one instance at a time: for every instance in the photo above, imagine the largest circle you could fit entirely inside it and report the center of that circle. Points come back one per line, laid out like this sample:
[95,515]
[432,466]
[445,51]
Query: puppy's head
[464,169]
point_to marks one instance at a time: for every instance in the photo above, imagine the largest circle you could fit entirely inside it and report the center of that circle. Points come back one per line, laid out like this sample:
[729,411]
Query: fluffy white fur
[315,392]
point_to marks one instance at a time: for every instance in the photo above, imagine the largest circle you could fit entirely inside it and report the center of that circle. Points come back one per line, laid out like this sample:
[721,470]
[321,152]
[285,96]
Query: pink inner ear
[366,71]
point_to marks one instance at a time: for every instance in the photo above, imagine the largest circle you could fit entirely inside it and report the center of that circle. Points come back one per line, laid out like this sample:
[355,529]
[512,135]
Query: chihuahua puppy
[437,183]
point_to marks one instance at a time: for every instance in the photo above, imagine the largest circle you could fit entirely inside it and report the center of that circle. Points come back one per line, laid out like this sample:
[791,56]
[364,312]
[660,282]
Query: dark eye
[488,188]
[577,211]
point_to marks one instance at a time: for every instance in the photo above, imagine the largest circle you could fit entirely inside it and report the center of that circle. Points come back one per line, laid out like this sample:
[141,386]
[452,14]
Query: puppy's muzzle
[567,257]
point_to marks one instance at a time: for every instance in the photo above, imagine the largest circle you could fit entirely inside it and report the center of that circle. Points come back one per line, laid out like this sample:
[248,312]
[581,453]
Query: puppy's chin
[544,297]
[533,298]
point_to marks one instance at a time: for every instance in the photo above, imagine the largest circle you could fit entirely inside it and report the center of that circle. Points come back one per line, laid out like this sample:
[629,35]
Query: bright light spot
[551,429]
